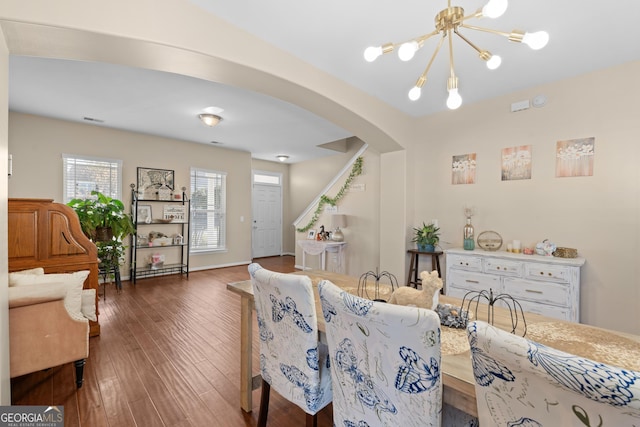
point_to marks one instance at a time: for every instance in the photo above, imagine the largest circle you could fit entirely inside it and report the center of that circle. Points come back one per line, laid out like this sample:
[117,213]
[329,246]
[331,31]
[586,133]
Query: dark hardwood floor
[168,355]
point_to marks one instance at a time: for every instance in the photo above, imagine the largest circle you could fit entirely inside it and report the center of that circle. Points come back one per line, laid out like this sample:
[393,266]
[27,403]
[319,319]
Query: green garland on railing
[324,199]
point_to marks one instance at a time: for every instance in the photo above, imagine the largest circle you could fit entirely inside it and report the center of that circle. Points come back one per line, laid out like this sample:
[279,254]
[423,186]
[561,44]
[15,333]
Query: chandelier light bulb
[494,62]
[414,93]
[372,53]
[495,8]
[407,50]
[454,101]
[536,40]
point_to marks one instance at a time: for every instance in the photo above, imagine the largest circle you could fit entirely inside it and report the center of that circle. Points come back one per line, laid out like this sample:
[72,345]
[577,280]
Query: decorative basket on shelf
[565,253]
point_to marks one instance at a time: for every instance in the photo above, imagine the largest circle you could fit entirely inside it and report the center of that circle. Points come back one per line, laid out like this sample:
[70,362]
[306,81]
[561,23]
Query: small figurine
[545,248]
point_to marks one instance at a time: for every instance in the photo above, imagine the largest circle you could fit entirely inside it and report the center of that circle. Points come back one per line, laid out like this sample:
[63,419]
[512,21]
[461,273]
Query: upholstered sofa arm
[43,335]
[20,296]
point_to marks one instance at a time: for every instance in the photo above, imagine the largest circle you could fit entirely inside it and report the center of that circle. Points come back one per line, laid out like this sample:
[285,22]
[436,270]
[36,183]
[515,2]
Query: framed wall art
[463,169]
[176,213]
[575,157]
[516,163]
[144,214]
[152,182]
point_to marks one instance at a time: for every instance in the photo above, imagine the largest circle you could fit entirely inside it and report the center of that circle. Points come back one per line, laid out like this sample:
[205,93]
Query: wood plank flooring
[168,355]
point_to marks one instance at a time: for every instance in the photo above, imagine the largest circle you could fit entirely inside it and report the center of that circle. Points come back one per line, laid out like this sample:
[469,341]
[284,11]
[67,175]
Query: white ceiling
[331,35]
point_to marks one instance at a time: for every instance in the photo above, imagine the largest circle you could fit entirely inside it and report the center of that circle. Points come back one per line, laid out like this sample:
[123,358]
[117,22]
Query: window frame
[221,212]
[115,164]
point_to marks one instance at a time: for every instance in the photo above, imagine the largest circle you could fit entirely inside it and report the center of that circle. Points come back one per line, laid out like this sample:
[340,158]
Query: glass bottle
[468,235]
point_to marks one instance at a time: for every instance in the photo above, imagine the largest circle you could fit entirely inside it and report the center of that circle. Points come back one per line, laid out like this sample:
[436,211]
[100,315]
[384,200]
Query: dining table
[601,345]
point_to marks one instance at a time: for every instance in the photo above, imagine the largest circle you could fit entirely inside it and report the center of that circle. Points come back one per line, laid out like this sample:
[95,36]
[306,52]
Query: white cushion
[89,304]
[31,271]
[73,282]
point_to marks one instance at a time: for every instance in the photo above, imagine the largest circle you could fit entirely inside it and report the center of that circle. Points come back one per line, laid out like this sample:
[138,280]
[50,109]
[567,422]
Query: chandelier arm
[426,37]
[451,68]
[476,14]
[488,30]
[482,53]
[423,76]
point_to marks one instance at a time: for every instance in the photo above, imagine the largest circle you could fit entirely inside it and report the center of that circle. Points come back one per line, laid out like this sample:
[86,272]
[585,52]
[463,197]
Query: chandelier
[448,22]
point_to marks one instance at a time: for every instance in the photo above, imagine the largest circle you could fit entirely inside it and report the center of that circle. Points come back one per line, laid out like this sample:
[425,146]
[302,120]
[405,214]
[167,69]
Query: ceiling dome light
[282,157]
[210,119]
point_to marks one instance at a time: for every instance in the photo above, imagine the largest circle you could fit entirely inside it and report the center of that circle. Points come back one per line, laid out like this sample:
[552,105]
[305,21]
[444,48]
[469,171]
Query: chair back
[385,361]
[291,359]
[520,382]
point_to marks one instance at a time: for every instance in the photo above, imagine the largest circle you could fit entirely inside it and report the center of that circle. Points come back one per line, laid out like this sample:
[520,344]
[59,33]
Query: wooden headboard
[45,234]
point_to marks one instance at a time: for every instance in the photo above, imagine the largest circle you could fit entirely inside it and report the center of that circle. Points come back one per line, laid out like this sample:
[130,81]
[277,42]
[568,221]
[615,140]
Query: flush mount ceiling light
[448,22]
[209,119]
[282,157]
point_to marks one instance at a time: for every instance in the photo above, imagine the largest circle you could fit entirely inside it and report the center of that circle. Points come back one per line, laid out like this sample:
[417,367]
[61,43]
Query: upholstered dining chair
[292,361]
[385,361]
[522,383]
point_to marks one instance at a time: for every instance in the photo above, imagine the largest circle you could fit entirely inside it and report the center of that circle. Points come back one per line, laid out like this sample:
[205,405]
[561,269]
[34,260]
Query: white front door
[267,220]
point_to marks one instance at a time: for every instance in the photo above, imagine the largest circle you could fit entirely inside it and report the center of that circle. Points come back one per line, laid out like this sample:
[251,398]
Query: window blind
[208,210]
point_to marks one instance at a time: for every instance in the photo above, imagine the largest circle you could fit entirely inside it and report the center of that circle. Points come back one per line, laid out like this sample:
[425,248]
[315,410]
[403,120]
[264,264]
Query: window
[267,178]
[81,175]
[208,210]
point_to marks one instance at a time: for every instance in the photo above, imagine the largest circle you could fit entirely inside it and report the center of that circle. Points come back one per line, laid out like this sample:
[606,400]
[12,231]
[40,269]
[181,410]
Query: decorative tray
[489,240]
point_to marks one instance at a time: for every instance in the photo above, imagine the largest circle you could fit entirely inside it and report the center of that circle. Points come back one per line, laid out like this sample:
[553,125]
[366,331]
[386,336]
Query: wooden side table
[413,269]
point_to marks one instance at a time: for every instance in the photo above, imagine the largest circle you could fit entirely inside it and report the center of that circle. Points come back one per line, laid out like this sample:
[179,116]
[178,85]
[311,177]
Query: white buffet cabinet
[541,284]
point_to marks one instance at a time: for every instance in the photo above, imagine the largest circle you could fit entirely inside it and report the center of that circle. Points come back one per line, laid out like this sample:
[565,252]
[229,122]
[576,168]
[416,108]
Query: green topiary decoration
[324,199]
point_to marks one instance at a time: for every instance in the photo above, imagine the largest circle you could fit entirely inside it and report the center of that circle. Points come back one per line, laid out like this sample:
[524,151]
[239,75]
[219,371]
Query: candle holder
[362,284]
[514,307]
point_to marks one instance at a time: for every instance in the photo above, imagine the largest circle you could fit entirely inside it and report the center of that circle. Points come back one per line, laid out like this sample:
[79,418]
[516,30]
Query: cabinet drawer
[472,282]
[556,273]
[470,263]
[542,292]
[562,313]
[503,267]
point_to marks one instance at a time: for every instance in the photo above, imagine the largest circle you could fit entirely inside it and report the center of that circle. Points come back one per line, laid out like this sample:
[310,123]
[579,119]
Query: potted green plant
[426,237]
[104,220]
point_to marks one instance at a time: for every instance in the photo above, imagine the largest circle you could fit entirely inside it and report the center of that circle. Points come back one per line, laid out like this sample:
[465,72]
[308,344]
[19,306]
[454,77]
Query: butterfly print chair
[522,383]
[292,361]
[385,361]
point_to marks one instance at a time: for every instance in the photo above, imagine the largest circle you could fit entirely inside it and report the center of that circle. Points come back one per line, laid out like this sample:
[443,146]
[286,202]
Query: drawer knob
[498,267]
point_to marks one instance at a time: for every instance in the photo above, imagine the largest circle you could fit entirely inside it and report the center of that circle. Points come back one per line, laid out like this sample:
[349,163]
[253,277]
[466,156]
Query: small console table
[413,269]
[321,247]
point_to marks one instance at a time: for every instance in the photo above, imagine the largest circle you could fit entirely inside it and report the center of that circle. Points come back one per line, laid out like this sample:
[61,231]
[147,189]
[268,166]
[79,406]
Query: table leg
[415,272]
[304,260]
[246,343]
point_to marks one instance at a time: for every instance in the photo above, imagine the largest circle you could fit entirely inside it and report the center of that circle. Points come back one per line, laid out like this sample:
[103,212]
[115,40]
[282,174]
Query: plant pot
[104,234]
[426,248]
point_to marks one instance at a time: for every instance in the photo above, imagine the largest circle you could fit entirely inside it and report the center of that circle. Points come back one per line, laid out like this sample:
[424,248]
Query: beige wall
[5,384]
[361,208]
[598,215]
[37,144]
